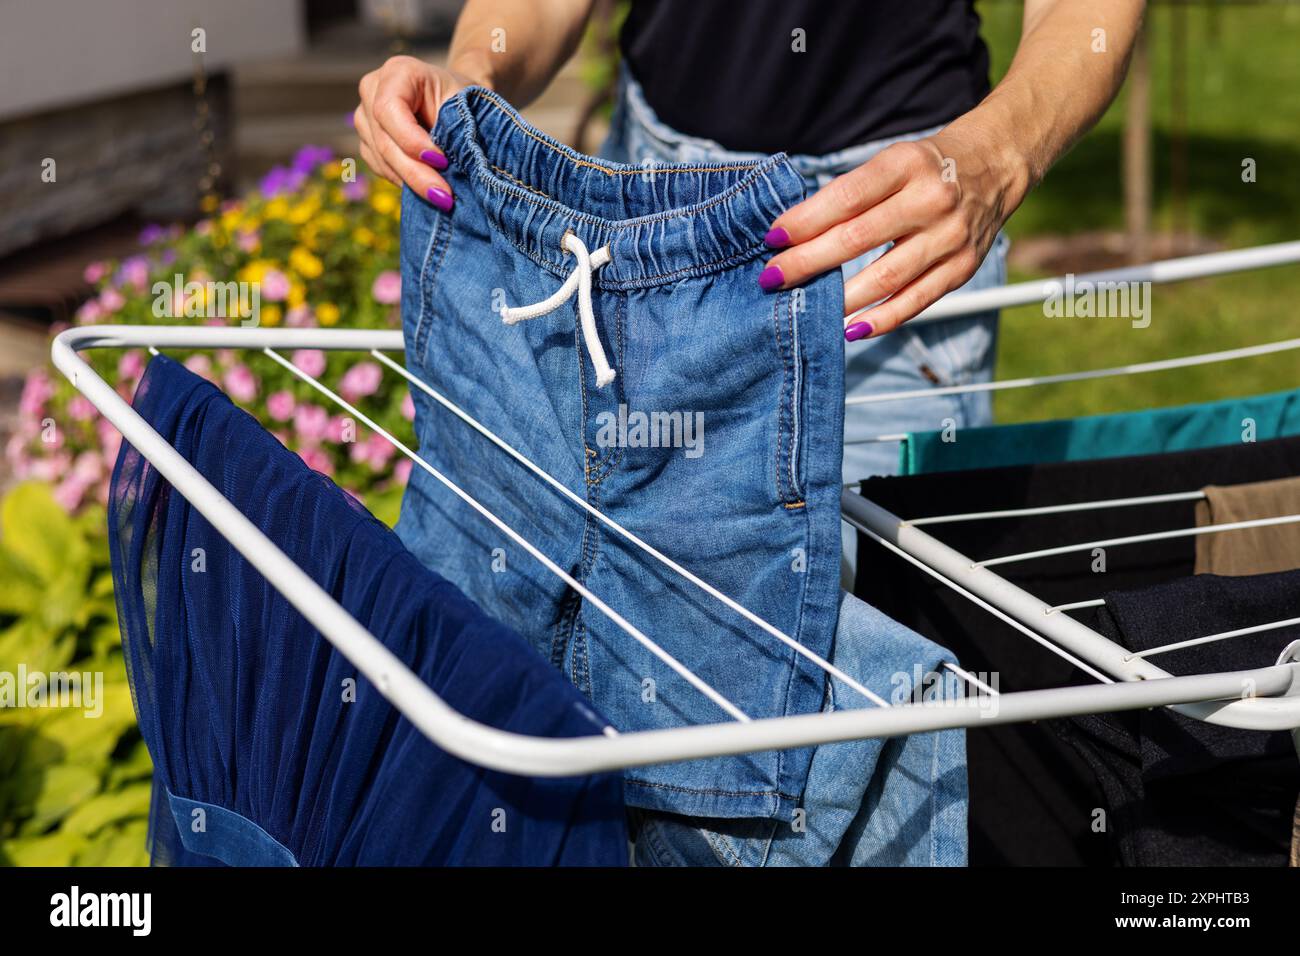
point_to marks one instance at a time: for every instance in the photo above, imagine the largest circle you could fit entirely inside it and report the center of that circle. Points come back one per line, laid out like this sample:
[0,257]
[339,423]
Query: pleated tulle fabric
[246,708]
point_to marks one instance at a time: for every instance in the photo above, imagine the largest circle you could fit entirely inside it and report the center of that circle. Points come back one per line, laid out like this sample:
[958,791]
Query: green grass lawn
[1243,100]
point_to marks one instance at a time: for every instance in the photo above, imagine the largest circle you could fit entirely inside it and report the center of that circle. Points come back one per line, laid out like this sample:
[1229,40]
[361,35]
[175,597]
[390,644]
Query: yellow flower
[303,211]
[255,271]
[332,170]
[363,236]
[330,222]
[383,202]
[306,264]
[271,315]
[277,208]
[327,313]
[297,294]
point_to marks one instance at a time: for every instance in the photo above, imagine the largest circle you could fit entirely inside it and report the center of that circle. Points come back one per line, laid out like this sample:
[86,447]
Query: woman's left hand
[941,200]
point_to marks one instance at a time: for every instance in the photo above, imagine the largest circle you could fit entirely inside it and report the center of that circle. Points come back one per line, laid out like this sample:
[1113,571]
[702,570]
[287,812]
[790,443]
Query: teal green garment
[1181,428]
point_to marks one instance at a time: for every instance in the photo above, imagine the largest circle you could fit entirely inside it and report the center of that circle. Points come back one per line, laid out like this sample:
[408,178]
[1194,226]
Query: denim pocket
[786,308]
[418,218]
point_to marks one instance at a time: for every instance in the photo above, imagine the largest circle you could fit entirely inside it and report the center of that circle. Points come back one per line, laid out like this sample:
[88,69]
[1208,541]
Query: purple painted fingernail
[858,330]
[440,198]
[434,158]
[777,238]
[771,278]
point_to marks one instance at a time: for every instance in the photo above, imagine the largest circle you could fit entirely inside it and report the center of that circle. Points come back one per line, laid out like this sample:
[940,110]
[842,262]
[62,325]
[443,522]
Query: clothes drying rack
[1266,699]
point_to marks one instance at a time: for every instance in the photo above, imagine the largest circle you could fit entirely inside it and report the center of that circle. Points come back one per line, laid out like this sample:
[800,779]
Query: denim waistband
[662,222]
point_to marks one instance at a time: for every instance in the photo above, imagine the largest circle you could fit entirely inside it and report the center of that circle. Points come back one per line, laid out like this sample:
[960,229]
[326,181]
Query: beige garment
[1295,836]
[1250,550]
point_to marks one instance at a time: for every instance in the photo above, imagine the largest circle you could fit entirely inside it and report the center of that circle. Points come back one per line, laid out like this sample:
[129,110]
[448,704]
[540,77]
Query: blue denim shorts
[916,357]
[895,802]
[745,493]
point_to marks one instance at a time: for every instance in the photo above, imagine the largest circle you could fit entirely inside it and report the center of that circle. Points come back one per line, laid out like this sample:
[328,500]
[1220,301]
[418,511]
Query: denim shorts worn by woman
[718,439]
[914,358]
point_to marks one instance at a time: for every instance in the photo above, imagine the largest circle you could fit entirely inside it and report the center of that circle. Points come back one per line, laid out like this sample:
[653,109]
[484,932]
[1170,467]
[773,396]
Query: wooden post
[1137,151]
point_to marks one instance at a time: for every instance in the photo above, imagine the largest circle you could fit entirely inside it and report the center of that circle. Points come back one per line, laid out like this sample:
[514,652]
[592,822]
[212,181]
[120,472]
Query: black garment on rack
[1183,792]
[1032,797]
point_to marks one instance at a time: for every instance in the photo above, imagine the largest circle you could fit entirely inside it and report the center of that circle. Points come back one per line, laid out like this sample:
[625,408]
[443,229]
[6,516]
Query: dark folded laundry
[1249,550]
[267,734]
[1033,797]
[1183,792]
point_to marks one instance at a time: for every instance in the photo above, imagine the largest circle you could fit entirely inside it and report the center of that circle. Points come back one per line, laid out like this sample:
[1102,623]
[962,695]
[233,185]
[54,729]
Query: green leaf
[20,590]
[38,532]
[29,641]
[55,849]
[129,803]
[63,788]
[136,765]
[124,845]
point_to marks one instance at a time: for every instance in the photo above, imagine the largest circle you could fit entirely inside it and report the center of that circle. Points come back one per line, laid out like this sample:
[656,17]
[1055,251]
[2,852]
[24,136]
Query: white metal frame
[1263,699]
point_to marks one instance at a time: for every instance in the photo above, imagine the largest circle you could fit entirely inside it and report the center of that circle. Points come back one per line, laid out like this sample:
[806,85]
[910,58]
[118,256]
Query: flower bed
[320,249]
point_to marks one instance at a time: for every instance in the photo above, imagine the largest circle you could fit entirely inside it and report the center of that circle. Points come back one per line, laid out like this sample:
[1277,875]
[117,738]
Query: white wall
[56,53]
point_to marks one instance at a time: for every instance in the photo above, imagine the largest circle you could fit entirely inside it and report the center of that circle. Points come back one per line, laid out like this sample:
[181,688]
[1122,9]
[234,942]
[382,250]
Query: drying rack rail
[1260,699]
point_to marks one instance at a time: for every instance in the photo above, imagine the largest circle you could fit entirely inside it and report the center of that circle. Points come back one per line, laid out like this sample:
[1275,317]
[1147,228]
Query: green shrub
[74,784]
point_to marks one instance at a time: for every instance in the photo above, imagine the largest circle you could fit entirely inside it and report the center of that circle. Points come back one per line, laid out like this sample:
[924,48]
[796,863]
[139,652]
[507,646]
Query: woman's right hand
[395,100]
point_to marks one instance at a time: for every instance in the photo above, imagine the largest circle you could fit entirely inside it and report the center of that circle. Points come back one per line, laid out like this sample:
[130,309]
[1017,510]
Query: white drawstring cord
[580,279]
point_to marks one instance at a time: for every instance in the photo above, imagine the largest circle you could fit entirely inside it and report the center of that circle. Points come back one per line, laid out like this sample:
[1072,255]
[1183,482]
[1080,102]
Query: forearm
[516,46]
[1058,86]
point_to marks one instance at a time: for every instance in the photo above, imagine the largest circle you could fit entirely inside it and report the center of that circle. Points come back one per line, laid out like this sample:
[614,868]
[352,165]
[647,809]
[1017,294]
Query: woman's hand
[941,200]
[395,100]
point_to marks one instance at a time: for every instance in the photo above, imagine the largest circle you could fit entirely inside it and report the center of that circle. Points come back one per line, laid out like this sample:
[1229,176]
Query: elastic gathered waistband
[662,222]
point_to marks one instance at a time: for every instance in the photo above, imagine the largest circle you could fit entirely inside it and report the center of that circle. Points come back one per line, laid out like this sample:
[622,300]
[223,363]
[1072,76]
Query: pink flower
[408,407]
[89,467]
[387,288]
[311,361]
[50,467]
[90,312]
[37,390]
[280,405]
[20,460]
[275,285]
[110,300]
[247,241]
[310,421]
[335,429]
[300,317]
[94,272]
[360,380]
[376,451]
[70,491]
[317,460]
[240,383]
[135,271]
[402,471]
[131,365]
[80,409]
[110,439]
[200,365]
